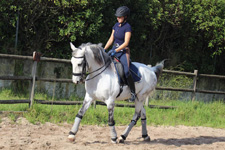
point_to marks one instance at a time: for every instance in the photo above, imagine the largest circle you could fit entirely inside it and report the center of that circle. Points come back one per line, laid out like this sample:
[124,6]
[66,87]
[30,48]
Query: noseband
[84,73]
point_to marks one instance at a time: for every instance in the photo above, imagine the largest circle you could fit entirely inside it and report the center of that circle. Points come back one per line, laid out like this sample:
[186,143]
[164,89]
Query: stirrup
[133,97]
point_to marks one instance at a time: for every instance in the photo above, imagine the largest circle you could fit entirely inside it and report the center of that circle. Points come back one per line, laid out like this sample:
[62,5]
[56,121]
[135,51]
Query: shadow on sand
[184,141]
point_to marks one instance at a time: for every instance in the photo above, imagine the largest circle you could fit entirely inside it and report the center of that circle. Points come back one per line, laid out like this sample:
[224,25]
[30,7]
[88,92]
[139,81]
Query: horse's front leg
[86,104]
[111,122]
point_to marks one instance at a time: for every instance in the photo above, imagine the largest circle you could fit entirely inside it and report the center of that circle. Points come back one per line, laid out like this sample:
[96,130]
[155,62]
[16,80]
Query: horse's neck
[92,65]
[102,80]
[102,70]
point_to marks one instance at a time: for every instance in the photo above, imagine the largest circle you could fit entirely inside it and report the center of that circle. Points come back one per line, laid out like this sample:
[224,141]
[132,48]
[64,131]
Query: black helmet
[122,11]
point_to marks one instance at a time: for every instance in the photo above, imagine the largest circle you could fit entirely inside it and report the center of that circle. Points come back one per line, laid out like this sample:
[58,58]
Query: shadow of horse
[184,141]
[172,141]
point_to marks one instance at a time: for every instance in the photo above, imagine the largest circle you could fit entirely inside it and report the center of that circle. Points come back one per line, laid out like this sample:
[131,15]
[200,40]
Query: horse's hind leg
[144,125]
[86,104]
[133,122]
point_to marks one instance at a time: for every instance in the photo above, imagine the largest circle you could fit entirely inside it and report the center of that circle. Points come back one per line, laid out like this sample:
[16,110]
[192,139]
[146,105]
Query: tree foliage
[188,32]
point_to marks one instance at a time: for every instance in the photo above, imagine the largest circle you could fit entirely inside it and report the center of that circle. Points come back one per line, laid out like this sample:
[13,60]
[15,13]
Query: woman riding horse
[120,38]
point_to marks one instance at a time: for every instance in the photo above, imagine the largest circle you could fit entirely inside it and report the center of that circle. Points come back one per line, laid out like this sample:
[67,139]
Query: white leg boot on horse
[111,123]
[86,104]
[137,115]
[128,129]
[144,126]
[133,122]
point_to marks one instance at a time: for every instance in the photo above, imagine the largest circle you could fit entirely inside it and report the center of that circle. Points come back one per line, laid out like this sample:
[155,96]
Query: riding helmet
[122,11]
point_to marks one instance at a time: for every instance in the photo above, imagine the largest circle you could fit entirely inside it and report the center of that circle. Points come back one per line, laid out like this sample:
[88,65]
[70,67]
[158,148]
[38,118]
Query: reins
[106,66]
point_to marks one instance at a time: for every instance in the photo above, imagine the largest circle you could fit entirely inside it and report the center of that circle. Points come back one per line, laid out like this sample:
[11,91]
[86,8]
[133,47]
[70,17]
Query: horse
[92,65]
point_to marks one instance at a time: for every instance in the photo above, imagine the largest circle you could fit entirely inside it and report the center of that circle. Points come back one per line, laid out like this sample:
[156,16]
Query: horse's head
[91,57]
[78,64]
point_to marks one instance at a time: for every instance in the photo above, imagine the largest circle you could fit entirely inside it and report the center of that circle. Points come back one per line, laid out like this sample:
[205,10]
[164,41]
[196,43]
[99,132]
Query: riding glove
[113,52]
[109,52]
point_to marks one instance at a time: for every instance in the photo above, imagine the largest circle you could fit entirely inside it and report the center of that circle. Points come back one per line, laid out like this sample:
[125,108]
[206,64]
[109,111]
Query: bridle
[84,73]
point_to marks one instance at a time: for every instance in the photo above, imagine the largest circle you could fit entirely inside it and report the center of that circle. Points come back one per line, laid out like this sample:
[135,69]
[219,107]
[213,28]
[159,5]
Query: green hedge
[188,32]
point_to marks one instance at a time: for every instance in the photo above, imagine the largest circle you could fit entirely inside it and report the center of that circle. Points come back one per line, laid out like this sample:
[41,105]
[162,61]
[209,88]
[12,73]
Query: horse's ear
[72,46]
[100,44]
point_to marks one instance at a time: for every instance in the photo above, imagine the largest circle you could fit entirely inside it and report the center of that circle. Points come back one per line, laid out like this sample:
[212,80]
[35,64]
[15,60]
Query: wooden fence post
[36,58]
[194,85]
[33,83]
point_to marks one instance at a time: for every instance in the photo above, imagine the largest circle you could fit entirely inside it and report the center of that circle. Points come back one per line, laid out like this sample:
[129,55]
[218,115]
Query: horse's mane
[98,52]
[85,44]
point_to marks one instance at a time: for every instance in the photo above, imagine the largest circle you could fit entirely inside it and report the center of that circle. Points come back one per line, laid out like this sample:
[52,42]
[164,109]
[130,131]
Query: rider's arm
[126,41]
[110,41]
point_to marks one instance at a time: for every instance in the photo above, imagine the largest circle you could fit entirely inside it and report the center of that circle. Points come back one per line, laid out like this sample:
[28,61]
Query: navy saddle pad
[135,72]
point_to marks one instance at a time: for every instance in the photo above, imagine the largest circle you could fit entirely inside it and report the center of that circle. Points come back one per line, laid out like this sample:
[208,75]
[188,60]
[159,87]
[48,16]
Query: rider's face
[120,19]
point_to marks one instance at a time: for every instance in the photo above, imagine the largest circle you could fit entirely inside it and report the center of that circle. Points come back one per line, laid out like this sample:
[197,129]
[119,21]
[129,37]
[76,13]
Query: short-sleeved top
[119,32]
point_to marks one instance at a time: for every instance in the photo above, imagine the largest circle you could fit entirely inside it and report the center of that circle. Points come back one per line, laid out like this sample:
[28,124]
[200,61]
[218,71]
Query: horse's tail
[158,68]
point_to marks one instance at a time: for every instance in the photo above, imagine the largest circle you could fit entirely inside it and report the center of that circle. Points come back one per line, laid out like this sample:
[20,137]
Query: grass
[191,114]
[188,113]
[6,94]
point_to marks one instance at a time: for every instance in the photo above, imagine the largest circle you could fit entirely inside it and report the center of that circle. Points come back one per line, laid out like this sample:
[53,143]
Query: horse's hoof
[121,140]
[71,138]
[147,139]
[114,141]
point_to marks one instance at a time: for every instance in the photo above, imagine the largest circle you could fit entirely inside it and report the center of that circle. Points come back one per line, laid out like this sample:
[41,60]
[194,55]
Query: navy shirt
[119,32]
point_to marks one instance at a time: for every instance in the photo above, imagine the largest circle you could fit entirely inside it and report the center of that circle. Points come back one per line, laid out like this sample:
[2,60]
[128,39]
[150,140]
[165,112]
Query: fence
[33,79]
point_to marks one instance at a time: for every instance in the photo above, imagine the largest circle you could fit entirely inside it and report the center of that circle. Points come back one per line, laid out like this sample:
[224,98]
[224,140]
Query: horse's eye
[79,64]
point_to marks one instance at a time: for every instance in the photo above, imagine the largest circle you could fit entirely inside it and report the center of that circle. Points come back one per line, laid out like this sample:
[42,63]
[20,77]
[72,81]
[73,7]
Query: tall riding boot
[130,83]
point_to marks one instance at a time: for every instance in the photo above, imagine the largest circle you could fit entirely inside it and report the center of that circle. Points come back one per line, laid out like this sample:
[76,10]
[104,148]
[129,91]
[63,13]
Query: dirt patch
[23,135]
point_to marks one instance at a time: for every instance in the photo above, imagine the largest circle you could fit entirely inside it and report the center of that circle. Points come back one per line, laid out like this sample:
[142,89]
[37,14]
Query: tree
[189,33]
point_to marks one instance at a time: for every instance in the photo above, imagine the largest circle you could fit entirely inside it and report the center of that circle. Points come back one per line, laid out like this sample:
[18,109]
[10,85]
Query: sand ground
[22,135]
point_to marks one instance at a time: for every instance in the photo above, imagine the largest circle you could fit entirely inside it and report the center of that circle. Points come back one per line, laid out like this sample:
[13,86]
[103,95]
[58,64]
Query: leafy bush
[174,81]
[190,33]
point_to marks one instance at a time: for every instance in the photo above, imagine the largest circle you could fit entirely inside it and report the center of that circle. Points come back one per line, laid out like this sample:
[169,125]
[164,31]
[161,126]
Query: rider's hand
[113,52]
[109,52]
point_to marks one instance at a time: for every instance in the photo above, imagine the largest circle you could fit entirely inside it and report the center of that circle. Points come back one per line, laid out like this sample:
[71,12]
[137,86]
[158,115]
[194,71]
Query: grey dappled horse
[102,84]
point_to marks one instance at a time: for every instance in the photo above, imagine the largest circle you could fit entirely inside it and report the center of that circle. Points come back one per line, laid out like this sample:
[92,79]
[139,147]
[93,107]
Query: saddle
[121,76]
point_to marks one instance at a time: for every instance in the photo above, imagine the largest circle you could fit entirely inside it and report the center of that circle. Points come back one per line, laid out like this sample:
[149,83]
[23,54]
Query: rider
[120,38]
